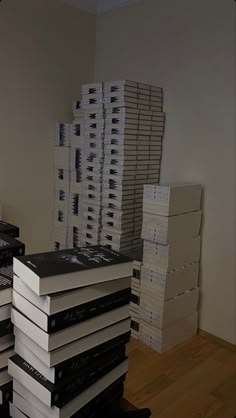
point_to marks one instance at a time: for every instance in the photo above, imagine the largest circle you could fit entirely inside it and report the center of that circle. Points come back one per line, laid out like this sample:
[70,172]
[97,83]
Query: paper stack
[92,167]
[169,274]
[134,128]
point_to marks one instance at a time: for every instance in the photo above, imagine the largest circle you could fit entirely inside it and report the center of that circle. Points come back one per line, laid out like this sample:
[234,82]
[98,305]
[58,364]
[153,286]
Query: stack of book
[71,324]
[77,141]
[169,274]
[92,168]
[9,247]
[135,299]
[62,156]
[134,128]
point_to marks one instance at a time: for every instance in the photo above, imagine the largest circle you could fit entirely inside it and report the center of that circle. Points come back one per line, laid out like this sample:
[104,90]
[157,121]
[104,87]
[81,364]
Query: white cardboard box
[172,256]
[169,200]
[163,340]
[163,229]
[167,285]
[161,313]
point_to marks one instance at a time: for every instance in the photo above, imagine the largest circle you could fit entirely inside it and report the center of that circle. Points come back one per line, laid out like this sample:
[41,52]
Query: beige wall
[46,52]
[187,47]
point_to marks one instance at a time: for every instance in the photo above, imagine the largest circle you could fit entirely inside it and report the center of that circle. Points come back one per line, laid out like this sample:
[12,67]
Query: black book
[76,364]
[8,229]
[72,316]
[6,327]
[9,248]
[73,365]
[62,393]
[6,393]
[52,272]
[106,401]
[4,411]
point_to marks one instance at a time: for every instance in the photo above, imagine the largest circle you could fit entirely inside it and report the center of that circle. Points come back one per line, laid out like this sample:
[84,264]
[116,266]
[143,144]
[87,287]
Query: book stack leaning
[71,324]
[9,247]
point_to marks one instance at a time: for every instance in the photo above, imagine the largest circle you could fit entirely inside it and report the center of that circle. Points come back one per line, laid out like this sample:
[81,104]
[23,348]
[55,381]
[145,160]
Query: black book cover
[9,248]
[6,393]
[8,229]
[72,260]
[4,411]
[6,277]
[6,327]
[78,364]
[67,390]
[81,313]
[104,405]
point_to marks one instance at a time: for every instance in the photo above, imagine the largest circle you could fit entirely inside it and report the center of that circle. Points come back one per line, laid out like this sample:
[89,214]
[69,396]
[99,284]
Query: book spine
[7,255]
[70,389]
[97,407]
[6,391]
[86,311]
[79,363]
[6,327]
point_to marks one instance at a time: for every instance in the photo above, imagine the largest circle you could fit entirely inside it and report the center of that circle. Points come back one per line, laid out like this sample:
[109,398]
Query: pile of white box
[169,293]
[102,162]
[134,128]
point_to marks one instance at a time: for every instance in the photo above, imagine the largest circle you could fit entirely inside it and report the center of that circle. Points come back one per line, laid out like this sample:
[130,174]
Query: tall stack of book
[77,142]
[169,274]
[71,324]
[93,158]
[134,128]
[62,155]
[9,247]
[135,299]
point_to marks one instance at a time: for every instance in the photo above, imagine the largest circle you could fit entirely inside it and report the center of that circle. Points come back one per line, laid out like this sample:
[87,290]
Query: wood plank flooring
[195,380]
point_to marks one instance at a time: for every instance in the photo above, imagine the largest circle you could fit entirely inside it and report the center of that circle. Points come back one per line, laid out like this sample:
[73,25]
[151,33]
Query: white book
[4,356]
[5,312]
[73,406]
[174,255]
[163,313]
[63,134]
[171,199]
[44,395]
[167,285]
[92,88]
[52,341]
[51,304]
[15,412]
[6,341]
[62,157]
[4,376]
[74,348]
[163,229]
[163,340]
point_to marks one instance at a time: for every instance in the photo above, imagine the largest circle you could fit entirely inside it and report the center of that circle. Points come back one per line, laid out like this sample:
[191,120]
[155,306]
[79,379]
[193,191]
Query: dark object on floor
[141,413]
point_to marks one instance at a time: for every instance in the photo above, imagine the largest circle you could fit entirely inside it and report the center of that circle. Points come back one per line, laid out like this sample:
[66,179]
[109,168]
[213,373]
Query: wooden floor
[195,380]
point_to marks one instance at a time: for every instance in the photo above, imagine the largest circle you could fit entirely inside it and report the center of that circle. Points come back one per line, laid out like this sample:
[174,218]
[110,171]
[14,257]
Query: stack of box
[169,274]
[71,323]
[135,299]
[92,168]
[134,127]
[9,248]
